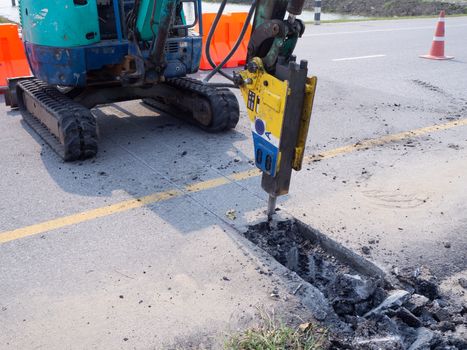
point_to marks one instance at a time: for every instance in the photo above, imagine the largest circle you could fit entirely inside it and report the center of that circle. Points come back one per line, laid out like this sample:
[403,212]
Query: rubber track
[224,105]
[77,125]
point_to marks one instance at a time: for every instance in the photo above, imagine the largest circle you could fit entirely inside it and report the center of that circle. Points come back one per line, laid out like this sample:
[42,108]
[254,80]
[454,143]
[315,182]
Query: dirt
[391,7]
[383,8]
[4,20]
[405,313]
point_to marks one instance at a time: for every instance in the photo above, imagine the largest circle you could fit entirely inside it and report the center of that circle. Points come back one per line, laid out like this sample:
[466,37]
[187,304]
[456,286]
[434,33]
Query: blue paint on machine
[266,155]
[259,126]
[71,66]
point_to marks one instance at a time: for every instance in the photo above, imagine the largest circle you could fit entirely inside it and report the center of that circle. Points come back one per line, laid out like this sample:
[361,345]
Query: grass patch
[273,334]
[366,19]
[4,20]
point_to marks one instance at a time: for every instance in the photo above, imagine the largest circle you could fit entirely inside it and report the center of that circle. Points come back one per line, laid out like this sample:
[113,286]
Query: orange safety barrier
[13,62]
[224,38]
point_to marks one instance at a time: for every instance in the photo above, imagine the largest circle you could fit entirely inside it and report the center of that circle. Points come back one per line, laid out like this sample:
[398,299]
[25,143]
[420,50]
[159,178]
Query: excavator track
[69,128]
[210,108]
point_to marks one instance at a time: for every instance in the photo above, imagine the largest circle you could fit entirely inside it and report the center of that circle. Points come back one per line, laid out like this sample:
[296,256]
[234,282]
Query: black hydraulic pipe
[218,68]
[118,19]
[122,19]
[209,39]
[157,51]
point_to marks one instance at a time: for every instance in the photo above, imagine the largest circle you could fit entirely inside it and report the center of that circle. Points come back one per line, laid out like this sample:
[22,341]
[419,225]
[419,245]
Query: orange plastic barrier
[224,38]
[13,62]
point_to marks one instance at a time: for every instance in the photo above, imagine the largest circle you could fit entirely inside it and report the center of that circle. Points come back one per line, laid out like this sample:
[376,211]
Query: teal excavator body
[81,42]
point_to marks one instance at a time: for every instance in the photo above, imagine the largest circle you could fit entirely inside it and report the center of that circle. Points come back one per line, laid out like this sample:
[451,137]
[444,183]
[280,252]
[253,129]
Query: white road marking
[356,58]
[381,30]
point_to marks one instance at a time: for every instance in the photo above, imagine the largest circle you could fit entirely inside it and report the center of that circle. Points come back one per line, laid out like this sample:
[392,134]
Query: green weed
[273,334]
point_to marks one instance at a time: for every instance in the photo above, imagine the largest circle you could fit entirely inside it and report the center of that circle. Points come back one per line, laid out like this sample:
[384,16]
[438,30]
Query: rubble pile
[406,313]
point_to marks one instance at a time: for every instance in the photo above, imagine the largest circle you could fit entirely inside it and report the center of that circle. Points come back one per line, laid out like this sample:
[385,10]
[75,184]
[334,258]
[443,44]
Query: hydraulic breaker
[279,108]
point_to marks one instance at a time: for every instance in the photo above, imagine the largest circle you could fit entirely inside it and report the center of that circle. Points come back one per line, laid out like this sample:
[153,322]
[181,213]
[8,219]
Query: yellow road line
[92,214]
[387,139]
[87,215]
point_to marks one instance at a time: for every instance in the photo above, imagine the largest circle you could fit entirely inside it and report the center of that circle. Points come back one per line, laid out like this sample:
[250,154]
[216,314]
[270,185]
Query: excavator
[85,53]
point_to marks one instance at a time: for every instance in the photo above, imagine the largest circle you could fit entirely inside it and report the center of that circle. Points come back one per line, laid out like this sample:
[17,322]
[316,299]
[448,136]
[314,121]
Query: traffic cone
[437,47]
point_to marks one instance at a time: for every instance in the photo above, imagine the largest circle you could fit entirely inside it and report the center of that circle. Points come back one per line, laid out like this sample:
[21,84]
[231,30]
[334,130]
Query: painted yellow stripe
[123,206]
[371,143]
[205,185]
[87,215]
[245,174]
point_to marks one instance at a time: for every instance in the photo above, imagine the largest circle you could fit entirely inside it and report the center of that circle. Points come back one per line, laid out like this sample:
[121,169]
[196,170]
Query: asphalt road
[401,192]
[84,264]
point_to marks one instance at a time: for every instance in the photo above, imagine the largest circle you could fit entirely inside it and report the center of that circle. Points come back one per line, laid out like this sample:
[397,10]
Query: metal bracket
[273,39]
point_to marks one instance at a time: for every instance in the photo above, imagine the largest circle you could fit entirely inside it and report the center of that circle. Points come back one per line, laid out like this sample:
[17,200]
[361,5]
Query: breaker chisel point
[271,206]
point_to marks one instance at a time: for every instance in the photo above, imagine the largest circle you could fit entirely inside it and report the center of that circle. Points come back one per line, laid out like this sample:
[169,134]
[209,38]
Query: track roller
[69,128]
[210,108]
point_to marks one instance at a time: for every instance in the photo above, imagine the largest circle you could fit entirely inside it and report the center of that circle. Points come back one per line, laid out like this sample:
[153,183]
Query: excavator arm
[278,94]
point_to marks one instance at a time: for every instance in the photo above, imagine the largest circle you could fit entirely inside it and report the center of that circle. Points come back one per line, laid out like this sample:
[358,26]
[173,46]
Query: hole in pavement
[407,313]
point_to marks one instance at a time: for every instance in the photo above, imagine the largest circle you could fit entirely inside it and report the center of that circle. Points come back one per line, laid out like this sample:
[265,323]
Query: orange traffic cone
[437,47]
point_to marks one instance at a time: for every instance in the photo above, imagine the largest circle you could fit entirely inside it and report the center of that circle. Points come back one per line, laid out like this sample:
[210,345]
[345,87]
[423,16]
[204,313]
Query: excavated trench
[368,310]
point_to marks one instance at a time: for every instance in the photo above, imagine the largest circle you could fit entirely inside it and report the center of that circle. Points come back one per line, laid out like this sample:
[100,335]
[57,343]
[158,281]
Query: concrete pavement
[404,190]
[89,283]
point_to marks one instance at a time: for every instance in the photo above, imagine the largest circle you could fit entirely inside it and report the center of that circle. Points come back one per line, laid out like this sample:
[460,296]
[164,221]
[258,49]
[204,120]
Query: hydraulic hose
[218,68]
[209,39]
